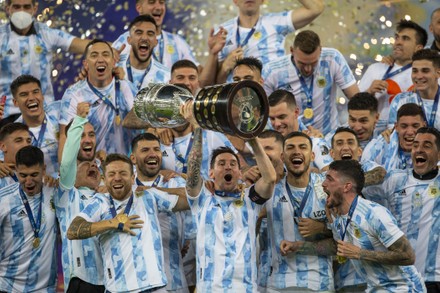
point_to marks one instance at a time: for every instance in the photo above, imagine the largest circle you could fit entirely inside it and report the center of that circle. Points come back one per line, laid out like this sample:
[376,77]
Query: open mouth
[118,186]
[93,174]
[228,177]
[87,149]
[32,106]
[346,156]
[409,139]
[152,162]
[297,161]
[144,47]
[420,160]
[100,69]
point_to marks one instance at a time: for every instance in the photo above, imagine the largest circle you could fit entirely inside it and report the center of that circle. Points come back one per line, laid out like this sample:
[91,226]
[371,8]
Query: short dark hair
[222,150]
[434,12]
[280,96]
[427,54]
[433,131]
[298,134]
[93,42]
[351,170]
[29,156]
[421,34]
[117,157]
[9,2]
[184,63]
[251,62]
[410,109]
[307,41]
[344,129]
[272,134]
[10,128]
[143,136]
[22,80]
[363,101]
[142,18]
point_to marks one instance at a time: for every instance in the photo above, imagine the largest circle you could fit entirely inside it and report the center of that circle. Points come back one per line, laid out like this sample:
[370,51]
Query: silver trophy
[159,104]
[239,108]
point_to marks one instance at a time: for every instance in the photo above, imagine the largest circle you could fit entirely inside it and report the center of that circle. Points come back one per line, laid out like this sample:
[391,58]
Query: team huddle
[311,204]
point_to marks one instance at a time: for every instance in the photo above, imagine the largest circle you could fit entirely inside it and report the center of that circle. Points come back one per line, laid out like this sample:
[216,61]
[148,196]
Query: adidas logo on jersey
[229,43]
[22,213]
[283,199]
[164,153]
[10,52]
[83,197]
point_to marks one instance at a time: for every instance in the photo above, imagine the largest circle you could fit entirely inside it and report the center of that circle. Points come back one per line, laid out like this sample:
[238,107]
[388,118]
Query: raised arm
[131,121]
[304,15]
[194,181]
[375,176]
[266,184]
[82,229]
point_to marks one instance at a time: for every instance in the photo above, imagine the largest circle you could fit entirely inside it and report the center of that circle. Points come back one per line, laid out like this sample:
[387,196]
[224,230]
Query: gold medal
[257,35]
[118,120]
[238,203]
[122,218]
[308,113]
[434,191]
[321,82]
[341,259]
[36,242]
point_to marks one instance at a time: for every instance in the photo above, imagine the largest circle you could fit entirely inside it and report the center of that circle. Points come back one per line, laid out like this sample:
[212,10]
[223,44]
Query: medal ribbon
[434,108]
[226,194]
[35,223]
[107,100]
[156,181]
[249,35]
[298,212]
[308,90]
[38,142]
[127,207]
[402,158]
[14,177]
[350,214]
[389,75]
[179,157]
[130,73]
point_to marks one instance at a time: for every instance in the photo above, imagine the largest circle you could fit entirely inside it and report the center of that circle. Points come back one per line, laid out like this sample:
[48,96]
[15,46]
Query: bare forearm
[81,229]
[194,180]
[400,253]
[209,73]
[131,121]
[375,176]
[266,183]
[326,247]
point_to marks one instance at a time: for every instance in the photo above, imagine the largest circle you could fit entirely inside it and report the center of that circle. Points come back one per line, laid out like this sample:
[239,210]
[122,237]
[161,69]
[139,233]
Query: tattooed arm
[131,121]
[326,247]
[82,229]
[375,176]
[399,253]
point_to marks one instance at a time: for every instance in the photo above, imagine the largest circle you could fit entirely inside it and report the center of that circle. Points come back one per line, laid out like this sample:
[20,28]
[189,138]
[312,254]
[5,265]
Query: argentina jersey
[298,271]
[372,227]
[331,72]
[170,227]
[110,137]
[226,242]
[126,257]
[30,54]
[24,267]
[414,204]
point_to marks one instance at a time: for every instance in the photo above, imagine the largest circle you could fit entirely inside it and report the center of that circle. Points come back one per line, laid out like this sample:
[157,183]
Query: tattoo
[79,229]
[131,121]
[399,253]
[194,163]
[375,176]
[326,247]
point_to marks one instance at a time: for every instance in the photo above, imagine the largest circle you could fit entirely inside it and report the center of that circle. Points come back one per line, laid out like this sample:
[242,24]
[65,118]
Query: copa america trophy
[239,108]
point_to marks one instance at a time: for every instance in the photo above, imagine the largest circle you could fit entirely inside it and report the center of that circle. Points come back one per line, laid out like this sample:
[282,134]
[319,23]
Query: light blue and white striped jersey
[29,55]
[411,97]
[132,263]
[169,49]
[80,258]
[298,271]
[6,181]
[267,41]
[377,71]
[170,226]
[49,143]
[110,137]
[322,153]
[372,227]
[332,66]
[22,267]
[226,242]
[157,73]
[388,155]
[373,192]
[415,203]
